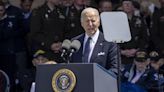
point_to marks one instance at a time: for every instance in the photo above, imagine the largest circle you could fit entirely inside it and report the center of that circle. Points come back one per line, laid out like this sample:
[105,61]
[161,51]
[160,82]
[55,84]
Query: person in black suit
[99,50]
[11,40]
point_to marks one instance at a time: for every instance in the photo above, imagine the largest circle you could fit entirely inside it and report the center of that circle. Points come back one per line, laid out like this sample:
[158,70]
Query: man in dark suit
[99,50]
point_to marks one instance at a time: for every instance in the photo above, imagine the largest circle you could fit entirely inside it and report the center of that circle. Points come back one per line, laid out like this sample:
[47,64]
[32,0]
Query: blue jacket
[8,33]
[147,80]
[15,14]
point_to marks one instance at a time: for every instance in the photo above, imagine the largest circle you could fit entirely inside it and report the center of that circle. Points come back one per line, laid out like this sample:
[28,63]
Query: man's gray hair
[87,10]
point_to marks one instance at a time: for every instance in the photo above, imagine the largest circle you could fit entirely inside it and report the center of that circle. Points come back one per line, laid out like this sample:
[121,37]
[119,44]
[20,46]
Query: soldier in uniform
[74,27]
[73,12]
[47,30]
[157,31]
[9,33]
[139,36]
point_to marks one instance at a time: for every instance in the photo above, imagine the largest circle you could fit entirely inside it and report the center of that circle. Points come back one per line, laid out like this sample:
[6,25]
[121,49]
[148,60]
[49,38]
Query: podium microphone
[75,45]
[65,47]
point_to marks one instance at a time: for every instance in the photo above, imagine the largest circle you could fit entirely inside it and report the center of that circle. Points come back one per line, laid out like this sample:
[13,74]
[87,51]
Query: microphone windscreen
[66,44]
[75,45]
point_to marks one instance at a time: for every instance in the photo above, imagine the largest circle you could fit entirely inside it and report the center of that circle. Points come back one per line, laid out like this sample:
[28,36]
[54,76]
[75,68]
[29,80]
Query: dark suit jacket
[104,53]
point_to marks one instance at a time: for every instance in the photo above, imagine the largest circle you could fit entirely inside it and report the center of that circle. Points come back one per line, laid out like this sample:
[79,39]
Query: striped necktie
[87,51]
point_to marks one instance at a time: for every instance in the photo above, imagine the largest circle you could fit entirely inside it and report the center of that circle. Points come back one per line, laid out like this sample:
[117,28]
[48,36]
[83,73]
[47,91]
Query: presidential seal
[63,80]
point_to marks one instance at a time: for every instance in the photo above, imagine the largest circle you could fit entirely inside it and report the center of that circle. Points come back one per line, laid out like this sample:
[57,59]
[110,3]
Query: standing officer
[138,31]
[47,28]
[9,34]
[74,27]
[157,32]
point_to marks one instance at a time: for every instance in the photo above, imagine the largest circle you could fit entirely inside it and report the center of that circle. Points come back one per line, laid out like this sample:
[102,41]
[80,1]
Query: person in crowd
[26,11]
[9,32]
[137,7]
[47,30]
[24,58]
[157,62]
[26,8]
[156,32]
[138,30]
[67,3]
[114,2]
[90,3]
[147,9]
[40,58]
[74,27]
[105,6]
[94,48]
[139,76]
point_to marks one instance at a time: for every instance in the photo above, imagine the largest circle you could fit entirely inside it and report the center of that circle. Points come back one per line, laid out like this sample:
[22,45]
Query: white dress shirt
[93,41]
[137,76]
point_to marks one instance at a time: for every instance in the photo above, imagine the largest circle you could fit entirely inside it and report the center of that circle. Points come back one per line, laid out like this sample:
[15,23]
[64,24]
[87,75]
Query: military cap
[39,53]
[141,56]
[154,56]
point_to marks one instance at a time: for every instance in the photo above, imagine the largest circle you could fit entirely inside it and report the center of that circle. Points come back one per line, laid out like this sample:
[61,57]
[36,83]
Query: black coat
[139,35]
[47,27]
[8,34]
[73,27]
[157,31]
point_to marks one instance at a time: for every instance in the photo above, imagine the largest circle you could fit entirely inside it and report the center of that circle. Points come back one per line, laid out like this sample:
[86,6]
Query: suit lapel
[80,52]
[98,47]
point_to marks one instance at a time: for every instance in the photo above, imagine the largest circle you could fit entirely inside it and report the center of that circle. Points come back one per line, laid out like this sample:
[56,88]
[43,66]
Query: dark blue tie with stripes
[86,51]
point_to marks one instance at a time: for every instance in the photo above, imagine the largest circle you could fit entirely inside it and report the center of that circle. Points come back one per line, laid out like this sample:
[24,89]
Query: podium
[89,78]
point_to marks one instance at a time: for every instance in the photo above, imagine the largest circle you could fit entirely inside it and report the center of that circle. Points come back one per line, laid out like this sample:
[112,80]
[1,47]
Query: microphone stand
[66,57]
[70,55]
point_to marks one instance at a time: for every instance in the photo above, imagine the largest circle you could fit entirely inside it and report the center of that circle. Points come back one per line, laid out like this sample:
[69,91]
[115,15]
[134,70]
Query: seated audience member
[157,63]
[39,58]
[138,77]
